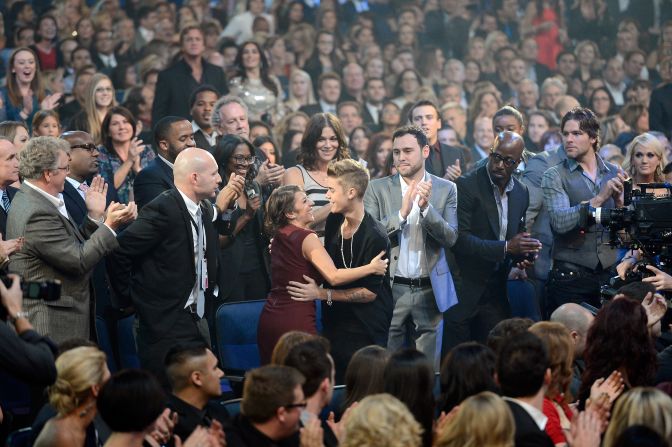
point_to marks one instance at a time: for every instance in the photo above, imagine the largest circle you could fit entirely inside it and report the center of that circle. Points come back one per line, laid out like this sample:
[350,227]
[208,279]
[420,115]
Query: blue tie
[5,201]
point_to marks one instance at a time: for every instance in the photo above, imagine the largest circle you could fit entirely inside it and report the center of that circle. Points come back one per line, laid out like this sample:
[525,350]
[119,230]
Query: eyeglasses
[508,161]
[65,168]
[649,155]
[243,159]
[104,89]
[299,405]
[90,147]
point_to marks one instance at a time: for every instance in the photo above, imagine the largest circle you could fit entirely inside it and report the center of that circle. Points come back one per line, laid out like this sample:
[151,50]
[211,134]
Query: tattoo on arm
[358,295]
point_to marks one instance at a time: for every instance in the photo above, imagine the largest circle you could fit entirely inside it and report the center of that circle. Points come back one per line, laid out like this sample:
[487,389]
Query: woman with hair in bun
[81,372]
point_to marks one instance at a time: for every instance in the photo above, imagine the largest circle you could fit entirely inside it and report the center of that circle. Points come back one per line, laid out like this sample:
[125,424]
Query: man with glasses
[270,410]
[491,218]
[55,247]
[581,261]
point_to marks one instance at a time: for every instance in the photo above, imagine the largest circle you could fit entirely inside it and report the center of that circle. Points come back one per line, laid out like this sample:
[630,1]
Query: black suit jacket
[660,109]
[480,257]
[448,156]
[154,179]
[154,269]
[528,433]
[311,109]
[3,214]
[175,85]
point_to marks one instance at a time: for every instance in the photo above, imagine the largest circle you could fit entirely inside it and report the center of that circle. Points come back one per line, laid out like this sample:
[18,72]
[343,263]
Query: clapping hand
[270,173]
[453,171]
[96,198]
[119,214]
[51,101]
[230,192]
[424,191]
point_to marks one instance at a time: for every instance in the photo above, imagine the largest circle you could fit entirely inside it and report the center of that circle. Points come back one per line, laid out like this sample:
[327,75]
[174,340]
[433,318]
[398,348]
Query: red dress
[548,41]
[281,313]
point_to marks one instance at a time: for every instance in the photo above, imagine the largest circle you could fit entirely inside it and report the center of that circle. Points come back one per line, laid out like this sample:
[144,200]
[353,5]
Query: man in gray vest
[581,260]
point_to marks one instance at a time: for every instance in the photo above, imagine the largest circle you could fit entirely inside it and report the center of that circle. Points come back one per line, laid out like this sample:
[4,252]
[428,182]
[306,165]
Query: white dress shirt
[192,208]
[327,108]
[76,184]
[211,139]
[56,201]
[412,262]
[539,418]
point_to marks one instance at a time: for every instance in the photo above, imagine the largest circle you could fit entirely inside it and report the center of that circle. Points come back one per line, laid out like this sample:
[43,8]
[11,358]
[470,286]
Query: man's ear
[547,377]
[196,378]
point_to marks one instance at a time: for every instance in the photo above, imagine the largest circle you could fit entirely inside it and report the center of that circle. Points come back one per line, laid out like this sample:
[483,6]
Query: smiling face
[240,161]
[302,215]
[327,145]
[120,130]
[48,28]
[24,67]
[338,196]
[104,93]
[251,58]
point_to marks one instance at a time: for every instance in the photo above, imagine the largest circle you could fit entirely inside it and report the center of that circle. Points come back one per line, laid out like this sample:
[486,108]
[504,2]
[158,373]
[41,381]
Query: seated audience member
[381,420]
[640,436]
[364,375]
[46,124]
[54,247]
[80,374]
[505,329]
[194,380]
[311,358]
[577,320]
[468,369]
[619,339]
[16,132]
[271,408]
[9,175]
[131,403]
[409,377]
[481,420]
[286,343]
[523,372]
[646,407]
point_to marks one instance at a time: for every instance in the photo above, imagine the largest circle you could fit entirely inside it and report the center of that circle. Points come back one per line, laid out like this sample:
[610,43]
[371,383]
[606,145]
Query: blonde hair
[92,120]
[482,420]
[310,99]
[78,370]
[649,141]
[641,406]
[560,349]
[381,420]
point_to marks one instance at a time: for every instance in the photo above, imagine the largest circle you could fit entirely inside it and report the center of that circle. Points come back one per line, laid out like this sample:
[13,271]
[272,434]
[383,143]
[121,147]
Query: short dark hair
[268,388]
[311,358]
[468,369]
[423,103]
[509,110]
[521,365]
[587,123]
[119,397]
[162,128]
[369,80]
[177,356]
[416,131]
[505,329]
[637,290]
[200,89]
[189,28]
[327,76]
[564,53]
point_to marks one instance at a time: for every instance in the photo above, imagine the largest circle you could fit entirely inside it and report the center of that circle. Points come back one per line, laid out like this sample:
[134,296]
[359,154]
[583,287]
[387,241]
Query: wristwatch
[21,314]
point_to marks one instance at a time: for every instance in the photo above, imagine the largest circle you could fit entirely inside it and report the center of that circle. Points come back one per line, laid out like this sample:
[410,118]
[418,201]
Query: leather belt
[413,282]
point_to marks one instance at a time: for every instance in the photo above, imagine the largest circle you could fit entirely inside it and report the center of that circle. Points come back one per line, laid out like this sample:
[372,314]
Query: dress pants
[415,307]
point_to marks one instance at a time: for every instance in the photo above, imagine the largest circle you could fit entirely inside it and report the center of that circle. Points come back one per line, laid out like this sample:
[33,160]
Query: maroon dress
[281,313]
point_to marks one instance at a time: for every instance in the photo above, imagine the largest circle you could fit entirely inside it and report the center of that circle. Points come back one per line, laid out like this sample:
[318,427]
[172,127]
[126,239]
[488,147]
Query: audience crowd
[402,182]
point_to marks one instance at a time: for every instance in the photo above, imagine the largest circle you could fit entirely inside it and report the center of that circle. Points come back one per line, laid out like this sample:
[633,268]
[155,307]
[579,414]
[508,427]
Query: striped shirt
[316,193]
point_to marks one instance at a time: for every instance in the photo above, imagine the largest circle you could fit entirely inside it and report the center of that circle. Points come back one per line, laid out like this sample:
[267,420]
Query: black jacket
[528,433]
[175,84]
[154,179]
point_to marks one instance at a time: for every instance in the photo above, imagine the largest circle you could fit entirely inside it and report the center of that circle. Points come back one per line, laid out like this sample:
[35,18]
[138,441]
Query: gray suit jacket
[439,228]
[56,249]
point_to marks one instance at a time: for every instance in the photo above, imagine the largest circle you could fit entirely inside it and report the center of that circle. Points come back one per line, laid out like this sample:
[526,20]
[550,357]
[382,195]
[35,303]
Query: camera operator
[581,262]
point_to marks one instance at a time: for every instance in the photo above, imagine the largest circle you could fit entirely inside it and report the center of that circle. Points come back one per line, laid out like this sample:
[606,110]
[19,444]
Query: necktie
[200,297]
[83,187]
[5,201]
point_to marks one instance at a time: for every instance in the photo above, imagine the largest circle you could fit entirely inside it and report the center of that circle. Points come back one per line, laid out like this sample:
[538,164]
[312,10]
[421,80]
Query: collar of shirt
[212,138]
[166,162]
[573,165]
[73,182]
[404,184]
[192,206]
[509,186]
[436,147]
[539,418]
[56,201]
[326,107]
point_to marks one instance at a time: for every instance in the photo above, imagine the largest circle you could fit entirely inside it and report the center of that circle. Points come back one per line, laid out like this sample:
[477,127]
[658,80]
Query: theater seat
[336,403]
[105,343]
[20,438]
[522,299]
[232,406]
[128,353]
[236,328]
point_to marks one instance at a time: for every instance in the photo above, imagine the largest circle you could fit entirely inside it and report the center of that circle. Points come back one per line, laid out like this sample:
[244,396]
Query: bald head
[577,320]
[196,174]
[507,151]
[73,135]
[509,140]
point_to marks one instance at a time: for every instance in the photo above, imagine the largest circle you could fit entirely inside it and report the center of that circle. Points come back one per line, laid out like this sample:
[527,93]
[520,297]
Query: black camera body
[47,290]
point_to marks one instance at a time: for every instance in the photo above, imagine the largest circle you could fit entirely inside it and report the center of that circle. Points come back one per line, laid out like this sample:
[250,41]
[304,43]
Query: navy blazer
[76,205]
[3,214]
[479,253]
[154,179]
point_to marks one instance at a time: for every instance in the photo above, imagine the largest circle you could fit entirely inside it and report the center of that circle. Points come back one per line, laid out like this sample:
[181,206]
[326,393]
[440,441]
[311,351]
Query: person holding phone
[244,267]
[122,155]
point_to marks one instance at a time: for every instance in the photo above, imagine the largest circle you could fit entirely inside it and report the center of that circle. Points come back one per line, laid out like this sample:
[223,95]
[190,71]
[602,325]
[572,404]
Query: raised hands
[230,192]
[96,198]
[119,214]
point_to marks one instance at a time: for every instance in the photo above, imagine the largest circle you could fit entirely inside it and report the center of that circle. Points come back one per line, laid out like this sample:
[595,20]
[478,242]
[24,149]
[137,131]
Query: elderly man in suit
[172,135]
[419,212]
[166,264]
[55,248]
[491,215]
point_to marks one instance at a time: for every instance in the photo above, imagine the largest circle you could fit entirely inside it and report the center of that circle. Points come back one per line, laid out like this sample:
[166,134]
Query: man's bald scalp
[189,161]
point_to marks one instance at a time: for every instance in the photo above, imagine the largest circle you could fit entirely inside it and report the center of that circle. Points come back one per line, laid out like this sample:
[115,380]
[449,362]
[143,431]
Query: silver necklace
[352,239]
